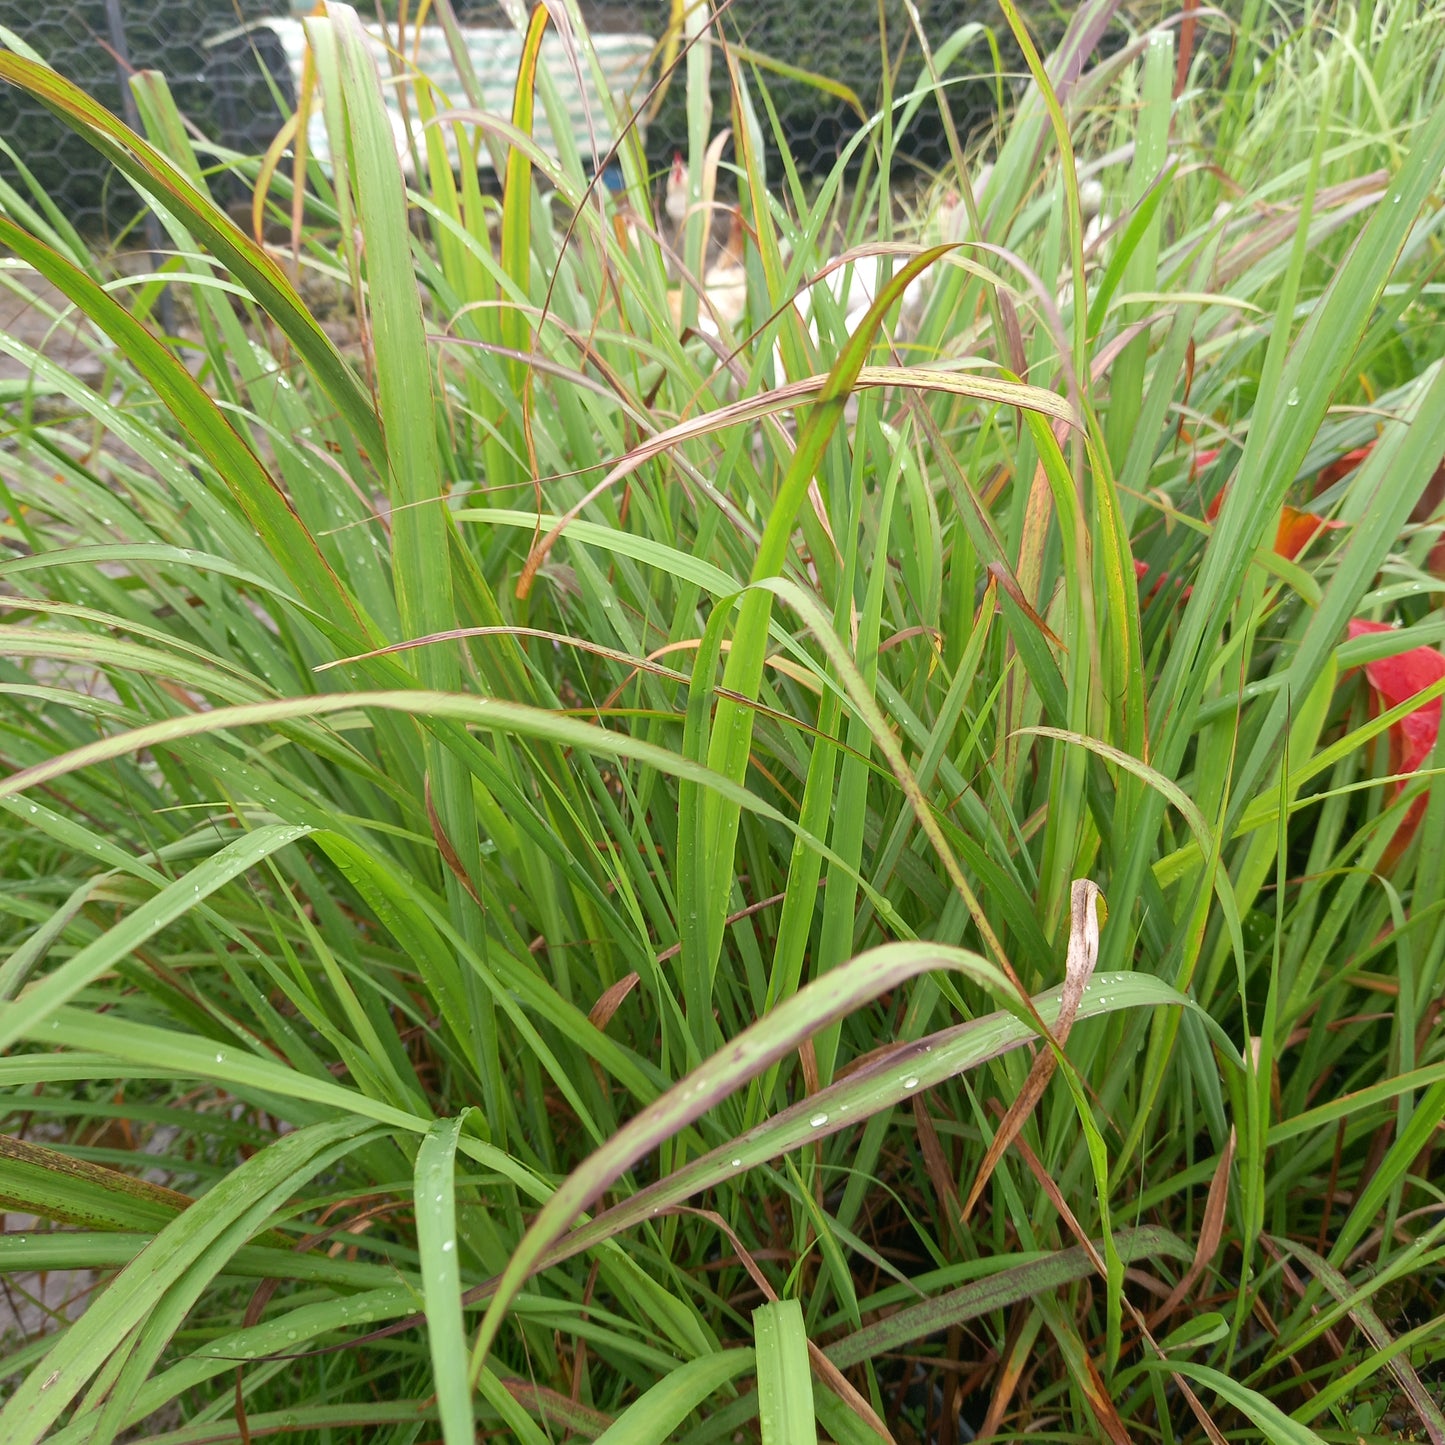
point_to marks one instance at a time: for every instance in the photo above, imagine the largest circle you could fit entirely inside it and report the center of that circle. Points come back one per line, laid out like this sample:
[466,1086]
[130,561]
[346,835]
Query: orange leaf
[1296,528]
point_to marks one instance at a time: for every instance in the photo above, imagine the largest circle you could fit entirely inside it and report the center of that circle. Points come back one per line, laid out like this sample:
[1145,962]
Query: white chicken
[1091,205]
[676,198]
[724,283]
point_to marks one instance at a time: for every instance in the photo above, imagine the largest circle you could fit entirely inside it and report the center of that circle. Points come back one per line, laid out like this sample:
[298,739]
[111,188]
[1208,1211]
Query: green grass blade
[655,1417]
[517,202]
[158,176]
[435,1196]
[785,1379]
[257,495]
[27,1013]
[53,1384]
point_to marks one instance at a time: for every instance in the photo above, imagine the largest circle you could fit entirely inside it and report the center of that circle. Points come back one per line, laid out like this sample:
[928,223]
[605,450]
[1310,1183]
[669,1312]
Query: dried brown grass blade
[1018,1353]
[1096,1392]
[935,1162]
[611,1000]
[1010,585]
[1083,954]
[449,854]
[1211,1230]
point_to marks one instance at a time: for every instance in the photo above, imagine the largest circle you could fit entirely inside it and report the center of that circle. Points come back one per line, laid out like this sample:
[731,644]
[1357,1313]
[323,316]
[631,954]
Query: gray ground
[31,324]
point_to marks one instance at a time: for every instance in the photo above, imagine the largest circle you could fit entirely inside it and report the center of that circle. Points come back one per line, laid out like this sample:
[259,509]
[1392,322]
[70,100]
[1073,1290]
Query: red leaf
[1342,467]
[1423,509]
[1394,680]
[1397,679]
[1141,571]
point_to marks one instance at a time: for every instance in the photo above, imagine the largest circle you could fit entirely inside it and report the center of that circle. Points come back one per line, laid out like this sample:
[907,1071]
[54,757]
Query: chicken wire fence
[232,65]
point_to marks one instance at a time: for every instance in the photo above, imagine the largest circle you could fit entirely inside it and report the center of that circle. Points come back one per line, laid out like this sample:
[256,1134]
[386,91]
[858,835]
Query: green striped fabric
[495,54]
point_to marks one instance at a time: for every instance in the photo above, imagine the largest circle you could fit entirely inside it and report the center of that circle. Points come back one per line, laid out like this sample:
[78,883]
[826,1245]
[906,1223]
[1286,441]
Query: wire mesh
[234,79]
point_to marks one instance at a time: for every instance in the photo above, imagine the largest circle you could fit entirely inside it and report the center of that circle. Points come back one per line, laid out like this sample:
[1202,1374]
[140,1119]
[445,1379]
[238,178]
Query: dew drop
[737,1163]
[910,1082]
[818,1120]
[448,1245]
[220,1058]
[1293,398]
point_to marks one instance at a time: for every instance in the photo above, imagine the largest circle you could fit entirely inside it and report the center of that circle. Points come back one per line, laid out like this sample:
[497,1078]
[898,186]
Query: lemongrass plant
[541,845]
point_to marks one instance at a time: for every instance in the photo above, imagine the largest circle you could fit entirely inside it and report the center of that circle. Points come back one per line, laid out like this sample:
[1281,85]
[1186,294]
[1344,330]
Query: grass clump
[540,836]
